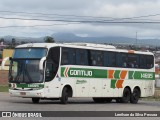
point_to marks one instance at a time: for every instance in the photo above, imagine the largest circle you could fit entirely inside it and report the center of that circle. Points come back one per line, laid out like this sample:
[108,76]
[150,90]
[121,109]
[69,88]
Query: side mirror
[41,63]
[4,62]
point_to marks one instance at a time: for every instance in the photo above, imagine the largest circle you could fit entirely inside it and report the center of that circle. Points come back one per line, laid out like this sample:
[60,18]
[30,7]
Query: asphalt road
[8,103]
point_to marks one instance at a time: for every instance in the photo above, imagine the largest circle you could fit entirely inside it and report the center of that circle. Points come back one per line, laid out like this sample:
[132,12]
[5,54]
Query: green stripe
[62,71]
[29,85]
[130,75]
[85,73]
[101,73]
[116,74]
[141,75]
[113,83]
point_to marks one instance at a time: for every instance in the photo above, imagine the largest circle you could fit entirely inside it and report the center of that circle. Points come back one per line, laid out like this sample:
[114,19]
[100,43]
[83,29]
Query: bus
[58,71]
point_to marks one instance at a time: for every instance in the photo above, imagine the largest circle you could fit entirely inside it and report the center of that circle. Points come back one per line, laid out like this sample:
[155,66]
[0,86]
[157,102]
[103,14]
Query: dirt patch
[3,77]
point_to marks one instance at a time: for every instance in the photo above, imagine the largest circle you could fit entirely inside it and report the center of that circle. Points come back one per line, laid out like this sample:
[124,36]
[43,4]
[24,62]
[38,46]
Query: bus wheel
[126,95]
[64,97]
[99,100]
[35,100]
[135,96]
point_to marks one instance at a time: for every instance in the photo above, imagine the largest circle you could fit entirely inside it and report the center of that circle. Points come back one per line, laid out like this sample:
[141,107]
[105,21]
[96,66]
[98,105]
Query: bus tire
[99,100]
[126,95]
[64,97]
[35,100]
[135,96]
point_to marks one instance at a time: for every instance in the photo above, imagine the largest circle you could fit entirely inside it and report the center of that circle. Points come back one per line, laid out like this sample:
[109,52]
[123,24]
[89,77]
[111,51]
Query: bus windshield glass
[30,53]
[25,71]
[24,67]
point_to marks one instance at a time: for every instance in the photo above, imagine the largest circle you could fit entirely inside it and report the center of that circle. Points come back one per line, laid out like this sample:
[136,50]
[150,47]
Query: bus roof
[82,45]
[48,45]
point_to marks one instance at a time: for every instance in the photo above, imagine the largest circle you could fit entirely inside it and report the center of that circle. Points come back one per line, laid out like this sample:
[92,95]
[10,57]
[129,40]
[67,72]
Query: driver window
[49,73]
[52,63]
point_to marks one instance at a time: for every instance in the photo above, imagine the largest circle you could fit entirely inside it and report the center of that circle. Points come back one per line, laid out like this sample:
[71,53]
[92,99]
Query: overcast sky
[80,10]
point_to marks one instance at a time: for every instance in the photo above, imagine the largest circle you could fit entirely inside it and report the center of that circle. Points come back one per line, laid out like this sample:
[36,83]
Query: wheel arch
[128,88]
[69,88]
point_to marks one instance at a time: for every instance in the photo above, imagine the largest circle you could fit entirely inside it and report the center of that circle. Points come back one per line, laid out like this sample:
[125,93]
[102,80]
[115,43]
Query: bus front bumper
[27,94]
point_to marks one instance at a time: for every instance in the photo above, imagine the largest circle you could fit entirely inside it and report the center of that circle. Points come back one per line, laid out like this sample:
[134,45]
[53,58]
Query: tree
[49,39]
[1,39]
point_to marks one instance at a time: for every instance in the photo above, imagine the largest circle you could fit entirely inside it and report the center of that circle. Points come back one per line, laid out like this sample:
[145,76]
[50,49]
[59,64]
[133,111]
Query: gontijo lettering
[80,73]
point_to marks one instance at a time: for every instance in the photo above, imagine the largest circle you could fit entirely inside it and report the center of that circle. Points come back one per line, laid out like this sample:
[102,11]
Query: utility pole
[136,38]
[136,42]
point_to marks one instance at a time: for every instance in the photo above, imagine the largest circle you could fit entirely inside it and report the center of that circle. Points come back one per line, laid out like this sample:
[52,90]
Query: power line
[33,25]
[54,14]
[81,21]
[111,18]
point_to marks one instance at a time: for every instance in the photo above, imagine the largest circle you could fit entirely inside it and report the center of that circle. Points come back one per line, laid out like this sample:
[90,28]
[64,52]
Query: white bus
[59,71]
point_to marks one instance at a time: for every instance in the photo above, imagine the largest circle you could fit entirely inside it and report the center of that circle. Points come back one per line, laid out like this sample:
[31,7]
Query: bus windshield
[30,53]
[25,71]
[24,67]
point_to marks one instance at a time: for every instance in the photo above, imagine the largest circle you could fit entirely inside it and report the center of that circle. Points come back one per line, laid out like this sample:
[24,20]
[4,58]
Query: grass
[3,88]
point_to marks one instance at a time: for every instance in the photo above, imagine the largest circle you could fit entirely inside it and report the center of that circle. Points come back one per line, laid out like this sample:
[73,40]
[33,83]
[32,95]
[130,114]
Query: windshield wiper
[27,74]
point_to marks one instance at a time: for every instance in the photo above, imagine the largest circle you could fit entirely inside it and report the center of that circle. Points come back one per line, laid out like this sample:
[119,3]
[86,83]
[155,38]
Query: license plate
[22,93]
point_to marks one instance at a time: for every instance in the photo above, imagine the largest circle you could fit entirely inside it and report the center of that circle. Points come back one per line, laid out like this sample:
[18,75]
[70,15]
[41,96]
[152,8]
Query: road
[75,104]
[8,103]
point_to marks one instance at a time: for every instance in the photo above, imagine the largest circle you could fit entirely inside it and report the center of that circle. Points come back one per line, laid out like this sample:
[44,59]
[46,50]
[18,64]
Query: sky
[37,18]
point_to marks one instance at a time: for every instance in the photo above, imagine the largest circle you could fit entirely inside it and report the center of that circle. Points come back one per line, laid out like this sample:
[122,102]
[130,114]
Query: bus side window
[112,59]
[121,60]
[81,57]
[143,61]
[68,56]
[109,59]
[65,57]
[92,58]
[100,58]
[106,59]
[96,58]
[150,62]
[124,60]
[133,61]
[72,56]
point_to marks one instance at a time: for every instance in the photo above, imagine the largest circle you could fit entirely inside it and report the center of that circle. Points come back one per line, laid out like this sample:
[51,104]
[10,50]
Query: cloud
[47,5]
[96,8]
